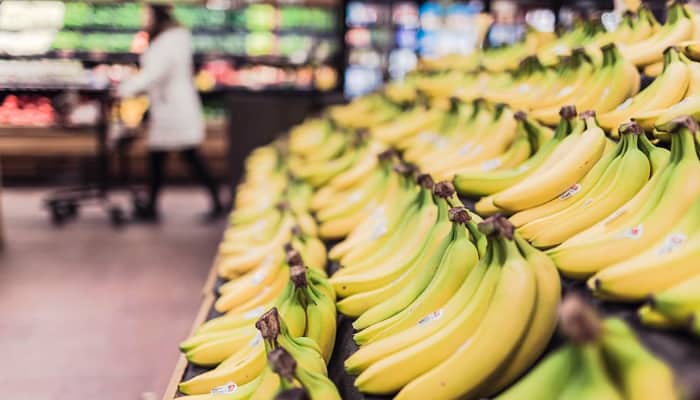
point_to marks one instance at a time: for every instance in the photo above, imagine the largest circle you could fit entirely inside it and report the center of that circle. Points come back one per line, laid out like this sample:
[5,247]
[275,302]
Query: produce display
[454,208]
[27,111]
[296,44]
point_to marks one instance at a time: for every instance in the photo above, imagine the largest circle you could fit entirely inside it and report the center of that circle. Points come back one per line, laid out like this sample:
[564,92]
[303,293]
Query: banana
[339,219]
[370,235]
[212,349]
[609,86]
[504,149]
[318,386]
[230,265]
[578,83]
[572,194]
[480,182]
[643,376]
[672,198]
[247,289]
[404,289]
[265,295]
[659,159]
[547,184]
[492,343]
[548,379]
[466,306]
[243,367]
[353,281]
[625,176]
[689,106]
[680,301]
[321,321]
[542,324]
[678,28]
[459,259]
[231,391]
[650,317]
[666,90]
[312,251]
[407,125]
[591,380]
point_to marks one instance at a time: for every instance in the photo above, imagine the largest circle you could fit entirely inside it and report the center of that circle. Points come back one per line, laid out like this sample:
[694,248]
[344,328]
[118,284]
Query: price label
[570,191]
[225,389]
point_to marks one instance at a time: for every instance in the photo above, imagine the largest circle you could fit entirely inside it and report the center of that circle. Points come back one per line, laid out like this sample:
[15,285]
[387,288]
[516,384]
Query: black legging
[198,169]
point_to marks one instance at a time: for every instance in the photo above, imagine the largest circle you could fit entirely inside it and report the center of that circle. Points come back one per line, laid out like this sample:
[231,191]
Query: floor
[87,312]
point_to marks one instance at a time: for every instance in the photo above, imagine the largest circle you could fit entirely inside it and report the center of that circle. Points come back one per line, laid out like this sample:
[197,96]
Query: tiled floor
[87,312]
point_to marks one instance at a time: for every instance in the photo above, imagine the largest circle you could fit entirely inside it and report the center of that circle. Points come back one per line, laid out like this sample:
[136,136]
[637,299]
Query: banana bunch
[677,307]
[487,181]
[619,174]
[688,105]
[273,336]
[288,377]
[232,344]
[355,194]
[602,360]
[581,148]
[505,58]
[666,90]
[420,117]
[602,87]
[321,160]
[625,251]
[679,27]
[486,139]
[431,353]
[636,26]
[372,233]
[364,112]
[422,230]
[249,247]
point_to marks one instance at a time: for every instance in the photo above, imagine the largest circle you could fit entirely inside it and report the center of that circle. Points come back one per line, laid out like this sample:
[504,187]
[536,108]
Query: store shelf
[21,144]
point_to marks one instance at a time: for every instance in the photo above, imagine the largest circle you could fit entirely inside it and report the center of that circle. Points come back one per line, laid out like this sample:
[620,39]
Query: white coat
[176,120]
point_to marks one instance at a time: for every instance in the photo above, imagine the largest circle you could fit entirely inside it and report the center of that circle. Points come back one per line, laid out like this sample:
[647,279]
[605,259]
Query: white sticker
[378,212]
[565,91]
[425,136]
[633,232]
[524,88]
[254,313]
[614,216]
[490,165]
[379,230]
[570,191]
[225,389]
[671,243]
[256,340]
[354,197]
[259,276]
[441,143]
[260,225]
[430,317]
[624,105]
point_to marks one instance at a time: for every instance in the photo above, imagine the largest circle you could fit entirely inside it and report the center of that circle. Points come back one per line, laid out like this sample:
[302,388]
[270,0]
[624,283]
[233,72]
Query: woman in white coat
[176,121]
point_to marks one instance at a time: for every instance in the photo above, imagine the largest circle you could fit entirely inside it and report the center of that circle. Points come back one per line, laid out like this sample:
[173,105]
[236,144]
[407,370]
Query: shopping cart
[116,131]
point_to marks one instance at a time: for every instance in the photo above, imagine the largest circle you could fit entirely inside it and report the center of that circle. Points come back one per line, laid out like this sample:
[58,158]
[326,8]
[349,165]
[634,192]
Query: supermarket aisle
[90,313]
